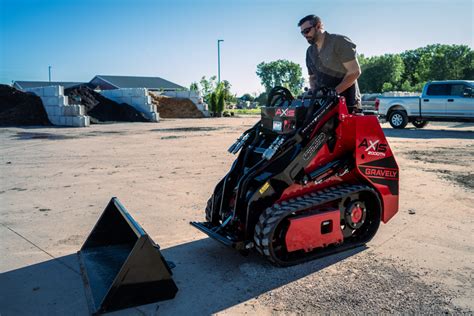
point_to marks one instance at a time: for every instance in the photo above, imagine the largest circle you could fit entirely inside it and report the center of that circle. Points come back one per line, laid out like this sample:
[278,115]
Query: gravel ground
[55,182]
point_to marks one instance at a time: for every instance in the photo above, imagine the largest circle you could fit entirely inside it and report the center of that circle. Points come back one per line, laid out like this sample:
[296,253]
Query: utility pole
[49,72]
[219,60]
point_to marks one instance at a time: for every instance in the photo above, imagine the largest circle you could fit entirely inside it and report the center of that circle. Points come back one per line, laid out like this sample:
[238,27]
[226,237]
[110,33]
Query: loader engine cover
[282,120]
[308,232]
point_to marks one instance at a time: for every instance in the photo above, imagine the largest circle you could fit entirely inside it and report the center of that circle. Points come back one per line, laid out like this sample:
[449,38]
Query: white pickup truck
[450,101]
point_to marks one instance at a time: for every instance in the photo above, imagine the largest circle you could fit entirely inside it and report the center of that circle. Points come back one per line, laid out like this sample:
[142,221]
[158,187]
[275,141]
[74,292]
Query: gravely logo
[317,142]
[374,148]
[380,172]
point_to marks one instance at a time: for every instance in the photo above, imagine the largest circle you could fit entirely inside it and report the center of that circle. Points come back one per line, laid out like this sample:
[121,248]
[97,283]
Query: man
[331,60]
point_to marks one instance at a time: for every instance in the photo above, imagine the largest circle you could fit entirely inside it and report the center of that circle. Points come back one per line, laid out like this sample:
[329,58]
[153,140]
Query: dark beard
[312,40]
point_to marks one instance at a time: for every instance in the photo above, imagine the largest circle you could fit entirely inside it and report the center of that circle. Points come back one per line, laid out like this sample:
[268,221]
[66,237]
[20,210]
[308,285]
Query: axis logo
[285,112]
[374,148]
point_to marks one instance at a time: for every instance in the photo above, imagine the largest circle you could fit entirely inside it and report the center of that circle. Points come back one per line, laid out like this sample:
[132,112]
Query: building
[22,85]
[104,82]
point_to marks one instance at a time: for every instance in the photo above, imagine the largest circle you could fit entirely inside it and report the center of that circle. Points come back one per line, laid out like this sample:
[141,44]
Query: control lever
[238,144]
[273,148]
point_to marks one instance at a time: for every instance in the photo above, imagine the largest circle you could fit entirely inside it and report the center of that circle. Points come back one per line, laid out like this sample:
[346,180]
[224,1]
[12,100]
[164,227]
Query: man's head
[311,27]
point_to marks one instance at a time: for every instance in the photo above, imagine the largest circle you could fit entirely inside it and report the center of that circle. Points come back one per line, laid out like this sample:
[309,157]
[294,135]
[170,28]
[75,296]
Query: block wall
[57,106]
[136,97]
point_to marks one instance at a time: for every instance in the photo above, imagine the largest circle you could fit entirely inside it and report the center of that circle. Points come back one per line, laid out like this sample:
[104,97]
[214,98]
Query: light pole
[49,72]
[219,61]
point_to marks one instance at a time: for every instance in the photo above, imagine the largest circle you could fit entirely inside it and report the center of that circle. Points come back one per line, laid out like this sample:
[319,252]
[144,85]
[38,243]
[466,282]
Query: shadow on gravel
[49,136]
[427,133]
[210,278]
[187,129]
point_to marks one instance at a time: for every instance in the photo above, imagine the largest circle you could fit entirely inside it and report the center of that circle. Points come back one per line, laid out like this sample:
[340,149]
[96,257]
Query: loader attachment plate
[121,266]
[215,233]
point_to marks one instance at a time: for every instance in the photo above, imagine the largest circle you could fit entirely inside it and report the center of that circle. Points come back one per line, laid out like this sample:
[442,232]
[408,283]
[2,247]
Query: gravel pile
[20,108]
[175,107]
[101,109]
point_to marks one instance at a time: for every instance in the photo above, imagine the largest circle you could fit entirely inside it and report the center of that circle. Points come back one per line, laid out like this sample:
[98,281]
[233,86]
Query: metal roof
[37,84]
[139,82]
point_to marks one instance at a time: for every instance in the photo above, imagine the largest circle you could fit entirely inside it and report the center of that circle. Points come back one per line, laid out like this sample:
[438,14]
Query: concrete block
[153,116]
[54,119]
[53,91]
[64,100]
[140,92]
[80,121]
[50,101]
[115,93]
[50,110]
[127,92]
[145,107]
[72,110]
[59,120]
[38,91]
[118,93]
[128,100]
[141,101]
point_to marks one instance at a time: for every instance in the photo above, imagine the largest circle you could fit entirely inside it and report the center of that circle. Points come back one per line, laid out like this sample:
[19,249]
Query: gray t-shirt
[327,64]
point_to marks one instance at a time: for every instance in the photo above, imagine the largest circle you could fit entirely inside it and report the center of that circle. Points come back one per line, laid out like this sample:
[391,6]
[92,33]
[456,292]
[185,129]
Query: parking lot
[55,182]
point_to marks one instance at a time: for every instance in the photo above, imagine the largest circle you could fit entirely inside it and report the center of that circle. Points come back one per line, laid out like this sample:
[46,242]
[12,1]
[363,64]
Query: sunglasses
[306,30]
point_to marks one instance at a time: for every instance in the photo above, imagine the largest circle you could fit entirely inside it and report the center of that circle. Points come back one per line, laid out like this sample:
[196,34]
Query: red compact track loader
[311,179]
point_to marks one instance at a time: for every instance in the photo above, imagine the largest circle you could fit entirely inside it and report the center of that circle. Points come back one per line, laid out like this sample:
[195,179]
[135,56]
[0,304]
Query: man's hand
[353,72]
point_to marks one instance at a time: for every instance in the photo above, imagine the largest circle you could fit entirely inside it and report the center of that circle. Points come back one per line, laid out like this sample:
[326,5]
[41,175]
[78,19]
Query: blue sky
[177,40]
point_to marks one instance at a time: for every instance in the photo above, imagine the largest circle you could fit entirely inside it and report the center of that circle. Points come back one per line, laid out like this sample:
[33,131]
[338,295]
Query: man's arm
[353,72]
[312,82]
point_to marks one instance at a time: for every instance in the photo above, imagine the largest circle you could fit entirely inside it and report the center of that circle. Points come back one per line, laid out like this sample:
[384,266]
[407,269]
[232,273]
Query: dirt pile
[175,107]
[101,109]
[20,108]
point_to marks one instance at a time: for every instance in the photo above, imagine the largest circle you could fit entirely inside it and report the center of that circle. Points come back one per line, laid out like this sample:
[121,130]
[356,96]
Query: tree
[379,70]
[194,86]
[281,73]
[220,102]
[228,96]
[432,62]
[247,97]
[262,99]
[213,102]
[443,62]
[207,87]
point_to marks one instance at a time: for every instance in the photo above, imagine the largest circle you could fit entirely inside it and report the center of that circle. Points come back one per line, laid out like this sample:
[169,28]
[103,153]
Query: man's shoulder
[338,37]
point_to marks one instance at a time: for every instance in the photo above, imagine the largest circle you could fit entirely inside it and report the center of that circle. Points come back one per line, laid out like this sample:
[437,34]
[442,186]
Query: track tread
[270,218]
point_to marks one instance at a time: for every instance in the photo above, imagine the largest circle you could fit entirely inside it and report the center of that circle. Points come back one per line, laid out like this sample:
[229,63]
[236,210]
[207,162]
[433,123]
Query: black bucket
[121,265]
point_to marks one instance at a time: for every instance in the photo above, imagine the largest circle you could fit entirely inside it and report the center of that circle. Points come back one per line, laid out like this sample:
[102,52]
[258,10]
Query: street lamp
[49,73]
[219,61]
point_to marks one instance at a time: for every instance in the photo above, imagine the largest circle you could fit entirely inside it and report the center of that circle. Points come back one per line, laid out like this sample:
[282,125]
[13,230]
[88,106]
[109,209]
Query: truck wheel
[420,123]
[398,119]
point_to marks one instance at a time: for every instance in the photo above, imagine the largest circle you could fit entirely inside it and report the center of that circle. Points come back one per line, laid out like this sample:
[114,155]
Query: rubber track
[273,215]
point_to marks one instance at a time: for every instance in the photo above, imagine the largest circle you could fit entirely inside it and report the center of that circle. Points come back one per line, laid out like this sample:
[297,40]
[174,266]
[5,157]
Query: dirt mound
[102,109]
[175,107]
[20,108]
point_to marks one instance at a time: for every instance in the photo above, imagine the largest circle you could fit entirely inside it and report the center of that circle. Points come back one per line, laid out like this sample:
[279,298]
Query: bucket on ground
[121,266]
